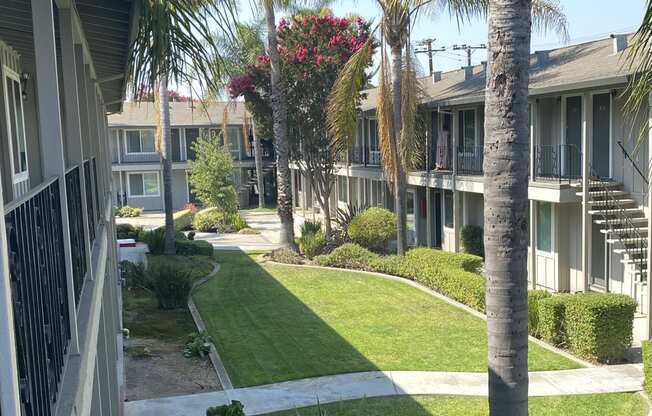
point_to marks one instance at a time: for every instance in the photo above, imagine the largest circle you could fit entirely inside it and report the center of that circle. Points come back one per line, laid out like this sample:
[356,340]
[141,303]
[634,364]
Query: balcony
[469,160]
[558,163]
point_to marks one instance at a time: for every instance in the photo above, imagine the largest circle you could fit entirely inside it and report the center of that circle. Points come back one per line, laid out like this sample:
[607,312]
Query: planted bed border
[216,361]
[264,260]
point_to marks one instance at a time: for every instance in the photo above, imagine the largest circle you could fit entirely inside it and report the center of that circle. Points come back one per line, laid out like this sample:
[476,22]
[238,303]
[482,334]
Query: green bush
[286,256]
[198,345]
[599,325]
[127,231]
[472,238]
[312,245]
[647,366]
[373,228]
[552,319]
[310,227]
[440,258]
[183,220]
[134,275]
[236,221]
[234,409]
[155,240]
[533,298]
[171,285]
[194,248]
[208,220]
[393,265]
[348,256]
[128,212]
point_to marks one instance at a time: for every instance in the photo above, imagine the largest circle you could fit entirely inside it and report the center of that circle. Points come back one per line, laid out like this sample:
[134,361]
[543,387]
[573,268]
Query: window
[342,189]
[144,184]
[411,218]
[373,135]
[191,136]
[544,226]
[448,209]
[16,125]
[140,141]
[466,132]
[377,192]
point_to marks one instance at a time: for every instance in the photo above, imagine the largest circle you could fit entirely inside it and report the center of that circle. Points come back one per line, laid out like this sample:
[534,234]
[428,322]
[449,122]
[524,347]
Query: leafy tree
[212,174]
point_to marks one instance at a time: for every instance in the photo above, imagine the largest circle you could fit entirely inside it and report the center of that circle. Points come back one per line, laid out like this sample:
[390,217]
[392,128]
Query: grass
[259,210]
[141,314]
[280,323]
[617,404]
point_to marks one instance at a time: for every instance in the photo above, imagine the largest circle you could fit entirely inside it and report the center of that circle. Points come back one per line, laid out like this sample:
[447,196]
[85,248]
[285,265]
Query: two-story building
[136,163]
[62,68]
[581,138]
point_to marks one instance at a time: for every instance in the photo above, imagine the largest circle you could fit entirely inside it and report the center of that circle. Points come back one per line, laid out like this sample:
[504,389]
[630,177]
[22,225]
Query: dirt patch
[156,368]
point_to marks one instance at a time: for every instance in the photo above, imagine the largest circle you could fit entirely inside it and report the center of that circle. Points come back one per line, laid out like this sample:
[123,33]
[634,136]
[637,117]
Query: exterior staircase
[253,179]
[624,224]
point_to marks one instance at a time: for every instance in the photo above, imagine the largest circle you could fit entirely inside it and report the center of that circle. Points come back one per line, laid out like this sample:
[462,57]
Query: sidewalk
[307,392]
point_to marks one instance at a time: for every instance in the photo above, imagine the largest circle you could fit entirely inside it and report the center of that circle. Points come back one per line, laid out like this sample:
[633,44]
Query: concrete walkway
[300,393]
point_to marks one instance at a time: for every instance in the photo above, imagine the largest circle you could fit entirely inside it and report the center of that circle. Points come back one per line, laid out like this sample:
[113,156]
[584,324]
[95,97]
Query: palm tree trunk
[279,111]
[506,204]
[258,157]
[166,162]
[399,174]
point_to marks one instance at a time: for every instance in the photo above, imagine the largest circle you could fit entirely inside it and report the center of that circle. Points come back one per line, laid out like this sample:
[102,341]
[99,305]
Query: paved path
[300,393]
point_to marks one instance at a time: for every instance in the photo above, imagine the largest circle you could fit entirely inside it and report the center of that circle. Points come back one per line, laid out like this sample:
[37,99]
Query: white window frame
[158,184]
[140,138]
[476,137]
[14,76]
[415,238]
[553,235]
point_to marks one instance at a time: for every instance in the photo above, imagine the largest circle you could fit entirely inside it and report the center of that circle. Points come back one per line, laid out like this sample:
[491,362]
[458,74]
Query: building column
[456,201]
[586,175]
[51,133]
[70,53]
[534,137]
[649,225]
[428,217]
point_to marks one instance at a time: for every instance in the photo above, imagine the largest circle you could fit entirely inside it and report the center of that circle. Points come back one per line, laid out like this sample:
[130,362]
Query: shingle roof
[573,67]
[181,114]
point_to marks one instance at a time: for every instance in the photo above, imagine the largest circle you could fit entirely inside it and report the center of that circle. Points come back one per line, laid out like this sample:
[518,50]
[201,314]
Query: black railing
[357,155]
[469,160]
[76,225]
[442,158]
[561,162]
[373,157]
[635,171]
[89,200]
[96,191]
[40,297]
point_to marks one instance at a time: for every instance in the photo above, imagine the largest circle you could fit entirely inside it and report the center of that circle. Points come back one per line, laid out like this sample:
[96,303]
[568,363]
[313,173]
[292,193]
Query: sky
[588,20]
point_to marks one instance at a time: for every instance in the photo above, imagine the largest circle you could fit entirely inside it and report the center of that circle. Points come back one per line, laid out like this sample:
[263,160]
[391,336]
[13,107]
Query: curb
[439,296]
[217,362]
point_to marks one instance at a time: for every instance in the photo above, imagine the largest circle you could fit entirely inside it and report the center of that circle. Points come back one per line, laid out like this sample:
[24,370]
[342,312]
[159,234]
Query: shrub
[473,239]
[348,256]
[234,409]
[346,215]
[312,245]
[134,275]
[236,221]
[599,325]
[198,345]
[208,220]
[647,366]
[183,219]
[533,298]
[552,319]
[373,228]
[127,231]
[155,240]
[286,256]
[310,227]
[191,236]
[128,212]
[440,258]
[194,248]
[171,285]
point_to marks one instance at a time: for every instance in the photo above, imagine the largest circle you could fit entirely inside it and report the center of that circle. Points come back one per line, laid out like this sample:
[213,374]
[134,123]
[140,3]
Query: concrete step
[629,240]
[632,251]
[634,221]
[615,211]
[612,202]
[613,192]
[625,230]
[598,185]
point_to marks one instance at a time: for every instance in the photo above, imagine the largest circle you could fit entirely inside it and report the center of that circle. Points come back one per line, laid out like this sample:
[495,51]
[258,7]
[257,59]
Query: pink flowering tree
[313,50]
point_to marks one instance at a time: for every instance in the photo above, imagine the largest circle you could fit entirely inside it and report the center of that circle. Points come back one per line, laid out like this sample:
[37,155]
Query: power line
[469,49]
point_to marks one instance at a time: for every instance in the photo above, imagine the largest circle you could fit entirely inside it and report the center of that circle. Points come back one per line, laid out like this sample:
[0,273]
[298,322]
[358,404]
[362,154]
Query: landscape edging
[437,295]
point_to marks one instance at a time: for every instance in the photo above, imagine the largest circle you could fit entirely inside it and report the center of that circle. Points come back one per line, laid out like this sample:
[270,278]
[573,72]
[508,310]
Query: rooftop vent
[436,76]
[619,43]
[542,57]
[468,72]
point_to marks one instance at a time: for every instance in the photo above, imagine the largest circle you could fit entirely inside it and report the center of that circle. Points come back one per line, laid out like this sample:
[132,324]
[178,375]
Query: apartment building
[581,138]
[63,70]
[136,164]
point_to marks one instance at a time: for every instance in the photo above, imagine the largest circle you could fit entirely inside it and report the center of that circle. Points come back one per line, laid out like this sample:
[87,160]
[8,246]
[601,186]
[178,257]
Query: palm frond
[344,98]
[548,16]
[384,114]
[225,126]
[460,10]
[412,131]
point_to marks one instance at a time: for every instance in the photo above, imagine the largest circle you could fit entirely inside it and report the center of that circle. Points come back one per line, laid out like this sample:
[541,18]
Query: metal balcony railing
[76,225]
[374,158]
[39,293]
[469,160]
[562,162]
[96,190]
[90,209]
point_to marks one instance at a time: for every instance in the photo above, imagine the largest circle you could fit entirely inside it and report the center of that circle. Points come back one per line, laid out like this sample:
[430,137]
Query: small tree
[212,174]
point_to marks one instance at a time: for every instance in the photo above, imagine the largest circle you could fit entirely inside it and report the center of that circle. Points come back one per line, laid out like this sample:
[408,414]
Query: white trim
[187,187]
[158,185]
[415,212]
[140,138]
[23,175]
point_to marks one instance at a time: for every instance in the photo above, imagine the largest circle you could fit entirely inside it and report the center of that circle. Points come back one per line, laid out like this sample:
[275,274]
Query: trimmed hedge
[647,366]
[373,228]
[472,238]
[348,256]
[194,248]
[183,219]
[595,326]
[208,220]
[128,212]
[533,298]
[464,261]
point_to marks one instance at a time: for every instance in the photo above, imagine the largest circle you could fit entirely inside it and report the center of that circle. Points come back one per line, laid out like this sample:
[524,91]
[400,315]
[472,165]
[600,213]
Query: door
[411,218]
[434,128]
[601,148]
[438,220]
[572,150]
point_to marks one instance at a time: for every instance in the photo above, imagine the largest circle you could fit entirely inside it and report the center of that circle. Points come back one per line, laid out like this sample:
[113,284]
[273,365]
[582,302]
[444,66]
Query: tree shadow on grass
[265,334]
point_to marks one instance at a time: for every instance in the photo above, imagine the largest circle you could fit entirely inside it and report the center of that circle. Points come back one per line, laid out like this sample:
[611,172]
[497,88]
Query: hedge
[647,366]
[595,326]
[373,228]
[533,298]
[434,257]
[348,256]
[193,247]
[183,220]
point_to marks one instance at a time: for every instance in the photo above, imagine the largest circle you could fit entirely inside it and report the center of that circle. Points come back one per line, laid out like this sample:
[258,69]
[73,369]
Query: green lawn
[621,404]
[281,322]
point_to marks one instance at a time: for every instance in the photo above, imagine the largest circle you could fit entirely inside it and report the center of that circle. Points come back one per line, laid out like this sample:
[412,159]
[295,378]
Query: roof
[586,65]
[181,114]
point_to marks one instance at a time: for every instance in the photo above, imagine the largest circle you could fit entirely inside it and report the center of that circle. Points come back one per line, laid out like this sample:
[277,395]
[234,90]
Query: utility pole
[469,50]
[426,47]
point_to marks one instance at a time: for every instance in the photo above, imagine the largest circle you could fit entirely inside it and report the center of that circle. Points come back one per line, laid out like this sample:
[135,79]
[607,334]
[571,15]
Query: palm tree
[174,43]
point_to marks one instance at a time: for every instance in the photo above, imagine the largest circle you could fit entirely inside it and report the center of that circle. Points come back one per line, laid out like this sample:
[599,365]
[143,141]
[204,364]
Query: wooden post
[586,176]
[649,225]
[456,203]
